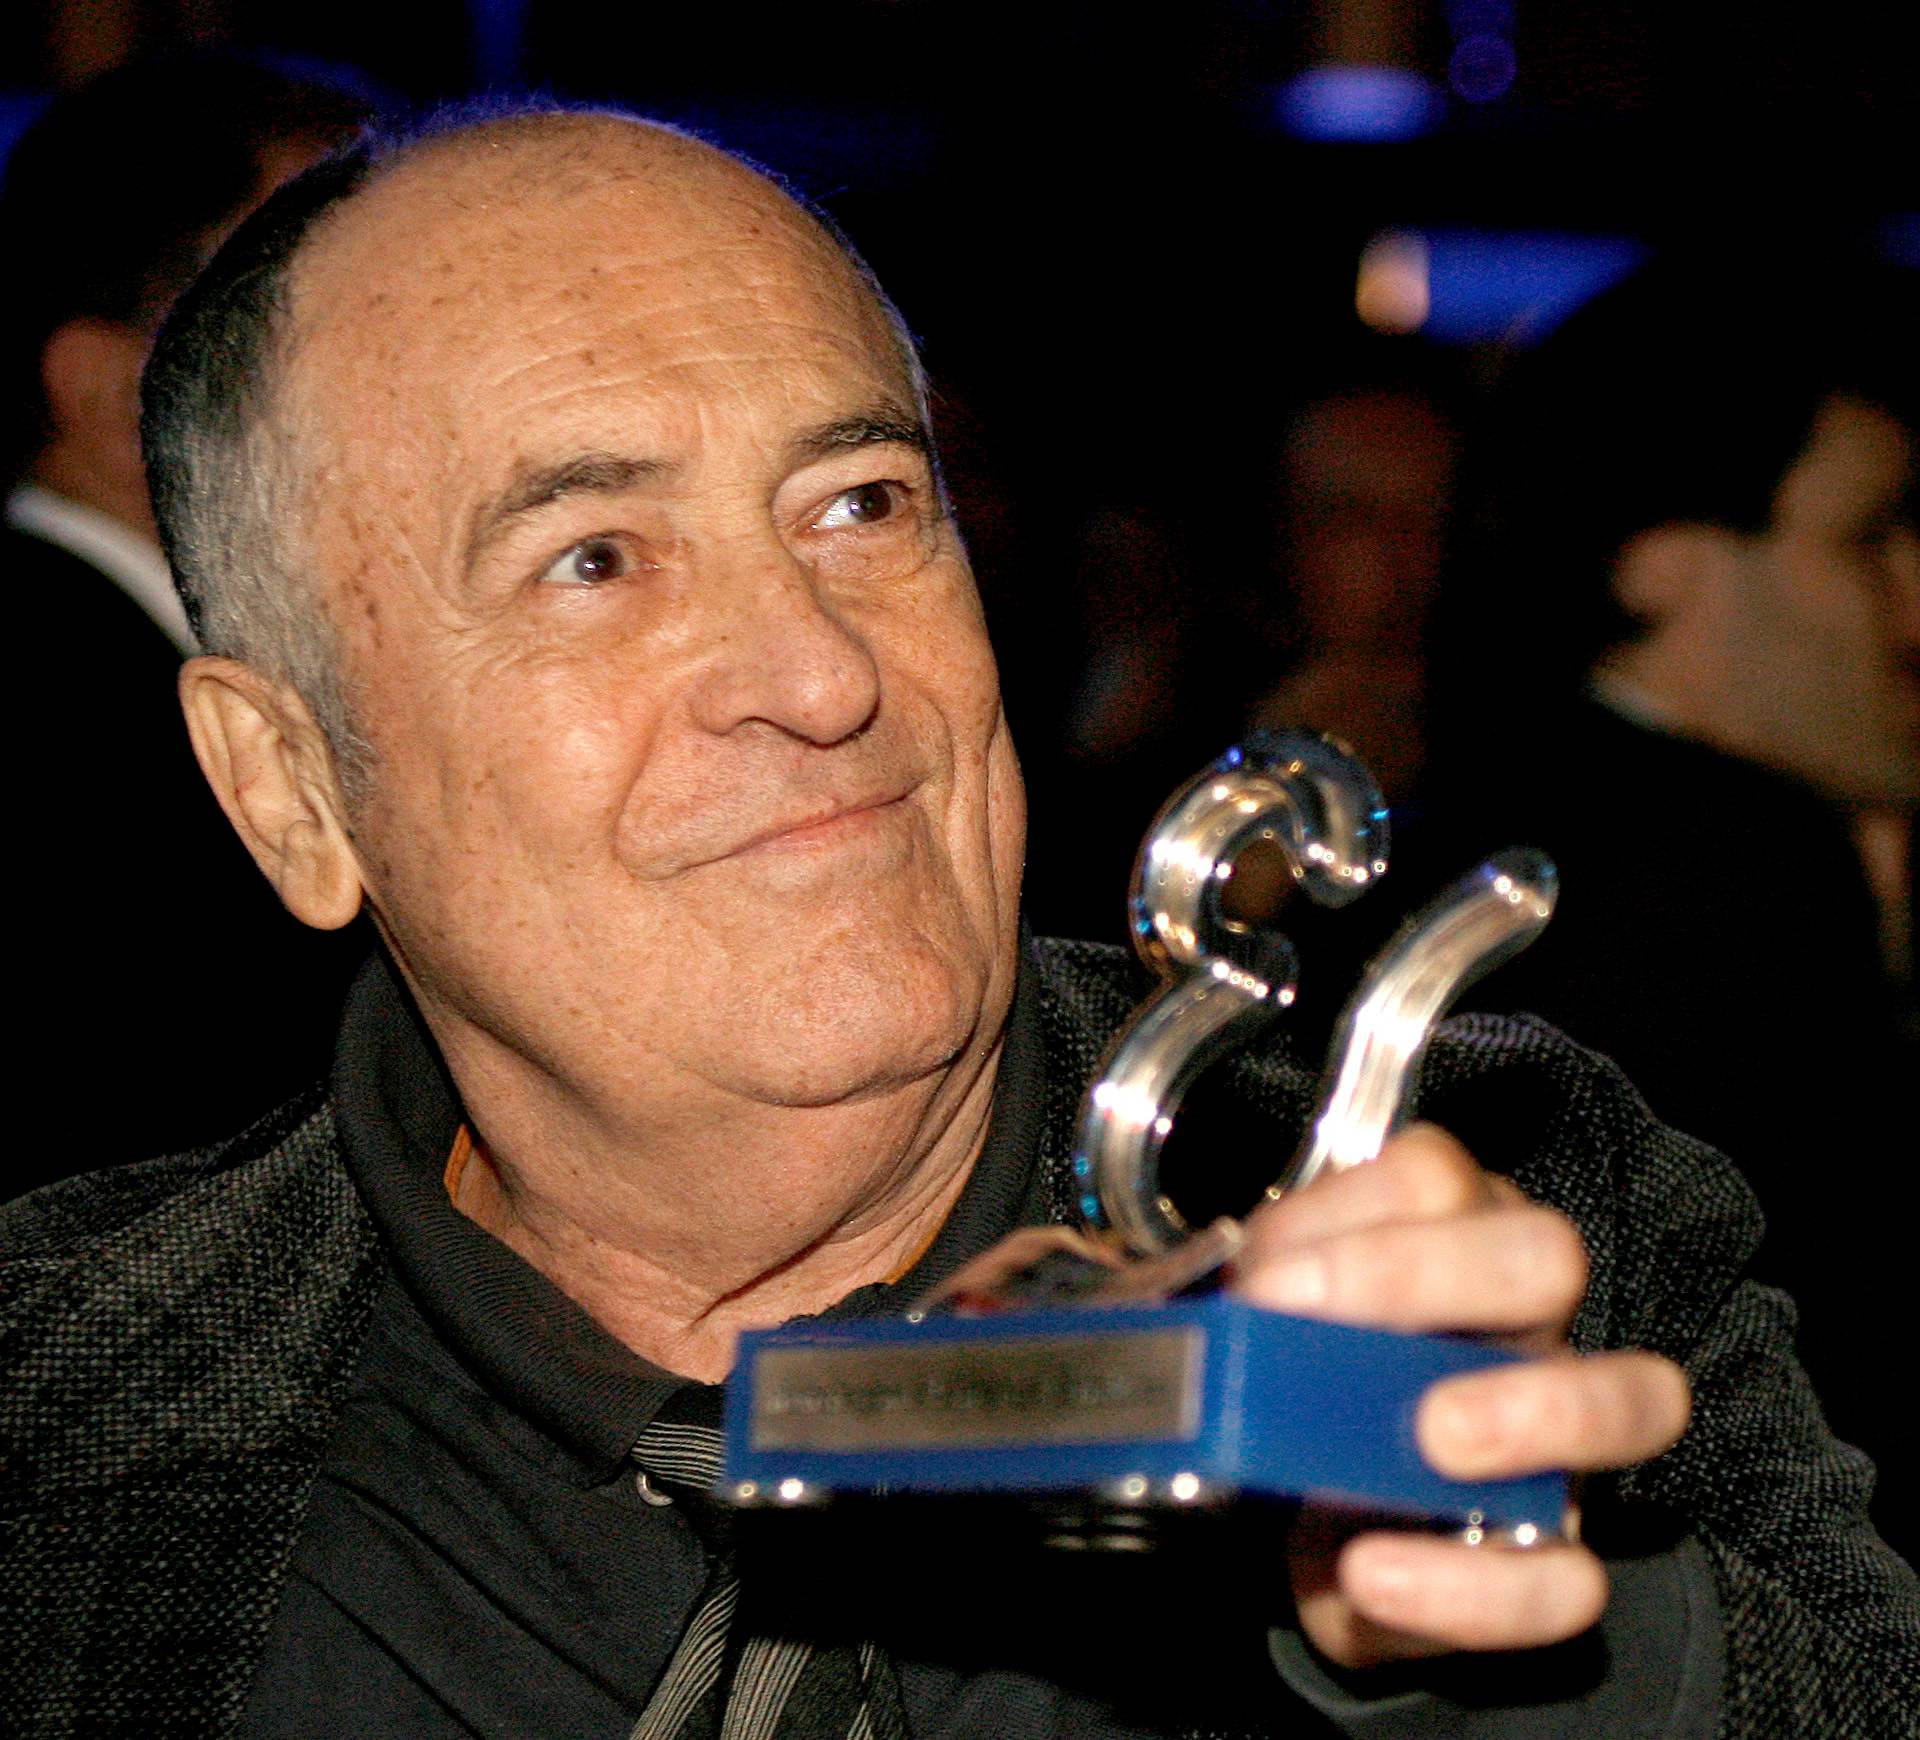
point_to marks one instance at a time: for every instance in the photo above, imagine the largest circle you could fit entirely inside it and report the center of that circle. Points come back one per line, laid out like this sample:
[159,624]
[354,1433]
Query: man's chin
[846,1074]
[861,1017]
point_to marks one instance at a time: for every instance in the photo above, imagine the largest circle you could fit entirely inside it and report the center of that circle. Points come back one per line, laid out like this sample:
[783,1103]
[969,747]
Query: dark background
[1127,256]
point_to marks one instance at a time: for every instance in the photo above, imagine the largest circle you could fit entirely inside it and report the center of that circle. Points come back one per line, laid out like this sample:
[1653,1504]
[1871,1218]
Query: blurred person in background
[111,202]
[1131,722]
[1695,681]
[1326,616]
[1362,495]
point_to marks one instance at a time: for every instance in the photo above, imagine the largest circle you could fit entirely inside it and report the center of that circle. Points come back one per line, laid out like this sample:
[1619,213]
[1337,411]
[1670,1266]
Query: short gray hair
[219,467]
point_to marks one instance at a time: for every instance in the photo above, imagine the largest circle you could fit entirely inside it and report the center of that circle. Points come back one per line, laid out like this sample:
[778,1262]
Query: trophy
[1103,1364]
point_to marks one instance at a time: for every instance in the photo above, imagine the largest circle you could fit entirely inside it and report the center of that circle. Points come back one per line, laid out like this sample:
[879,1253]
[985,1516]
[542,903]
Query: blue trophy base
[1163,1404]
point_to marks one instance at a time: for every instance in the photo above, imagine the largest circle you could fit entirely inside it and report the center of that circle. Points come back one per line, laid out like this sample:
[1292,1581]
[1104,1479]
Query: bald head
[287,346]
[429,207]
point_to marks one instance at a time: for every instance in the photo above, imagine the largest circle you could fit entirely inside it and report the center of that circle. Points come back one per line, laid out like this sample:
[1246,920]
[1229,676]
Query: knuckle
[1658,1401]
[1540,1595]
[1603,1410]
[1389,1276]
[1547,1258]
[1359,1278]
[1431,1173]
[1558,1404]
[1560,1590]
[1539,1414]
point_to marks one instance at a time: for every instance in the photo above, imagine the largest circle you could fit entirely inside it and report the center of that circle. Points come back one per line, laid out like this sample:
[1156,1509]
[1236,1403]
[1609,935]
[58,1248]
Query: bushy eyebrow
[881,425]
[538,486]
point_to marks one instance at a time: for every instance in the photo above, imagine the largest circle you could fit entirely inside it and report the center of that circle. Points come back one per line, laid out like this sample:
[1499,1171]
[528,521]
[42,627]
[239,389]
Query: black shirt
[480,1558]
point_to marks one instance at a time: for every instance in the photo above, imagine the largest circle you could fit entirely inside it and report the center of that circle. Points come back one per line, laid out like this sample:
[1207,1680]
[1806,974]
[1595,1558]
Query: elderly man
[558,498]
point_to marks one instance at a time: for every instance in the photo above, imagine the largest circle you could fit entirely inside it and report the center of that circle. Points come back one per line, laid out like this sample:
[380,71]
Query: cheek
[990,818]
[952,652]
[1006,815]
[487,789]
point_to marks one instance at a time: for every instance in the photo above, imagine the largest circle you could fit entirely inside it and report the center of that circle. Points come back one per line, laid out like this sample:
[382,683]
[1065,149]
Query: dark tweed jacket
[176,1337]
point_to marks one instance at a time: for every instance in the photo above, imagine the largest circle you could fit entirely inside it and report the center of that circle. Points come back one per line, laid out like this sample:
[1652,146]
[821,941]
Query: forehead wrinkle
[743,325]
[705,206]
[770,256]
[749,349]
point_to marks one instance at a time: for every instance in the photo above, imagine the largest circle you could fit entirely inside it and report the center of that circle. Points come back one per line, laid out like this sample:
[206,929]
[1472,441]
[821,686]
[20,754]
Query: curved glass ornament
[1487,917]
[1224,978]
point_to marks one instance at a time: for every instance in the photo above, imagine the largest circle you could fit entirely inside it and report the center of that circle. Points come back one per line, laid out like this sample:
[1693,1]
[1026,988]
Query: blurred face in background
[1827,634]
[1366,479]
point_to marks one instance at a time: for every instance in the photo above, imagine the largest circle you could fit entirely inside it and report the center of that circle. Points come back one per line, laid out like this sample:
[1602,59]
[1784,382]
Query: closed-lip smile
[818,826]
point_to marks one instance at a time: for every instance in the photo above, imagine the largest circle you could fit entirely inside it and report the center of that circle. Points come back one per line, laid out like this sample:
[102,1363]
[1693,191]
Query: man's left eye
[589,563]
[860,506]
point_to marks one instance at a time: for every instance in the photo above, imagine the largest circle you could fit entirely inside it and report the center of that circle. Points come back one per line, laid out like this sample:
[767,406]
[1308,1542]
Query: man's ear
[90,373]
[271,768]
[1663,572]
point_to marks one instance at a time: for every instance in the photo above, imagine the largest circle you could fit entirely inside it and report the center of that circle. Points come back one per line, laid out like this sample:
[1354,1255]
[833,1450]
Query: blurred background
[1140,254]
[1241,321]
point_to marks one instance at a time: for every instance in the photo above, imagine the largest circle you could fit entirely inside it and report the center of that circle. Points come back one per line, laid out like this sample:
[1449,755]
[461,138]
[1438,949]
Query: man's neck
[1675,683]
[120,495]
[1615,690]
[678,1236]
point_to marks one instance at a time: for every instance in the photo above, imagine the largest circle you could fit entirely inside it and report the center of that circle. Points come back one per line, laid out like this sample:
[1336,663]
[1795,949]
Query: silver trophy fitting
[1226,975]
[1485,918]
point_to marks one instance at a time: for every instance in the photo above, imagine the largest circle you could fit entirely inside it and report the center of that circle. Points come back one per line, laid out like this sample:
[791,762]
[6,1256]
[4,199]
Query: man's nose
[784,655]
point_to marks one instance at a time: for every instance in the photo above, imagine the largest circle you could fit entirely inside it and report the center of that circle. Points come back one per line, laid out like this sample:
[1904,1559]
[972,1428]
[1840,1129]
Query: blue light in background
[1515,285]
[1358,104]
[1482,68]
[499,30]
[18,111]
[1518,284]
[1900,239]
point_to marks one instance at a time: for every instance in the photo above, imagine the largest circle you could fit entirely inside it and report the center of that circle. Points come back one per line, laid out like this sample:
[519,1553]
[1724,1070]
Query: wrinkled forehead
[484,284]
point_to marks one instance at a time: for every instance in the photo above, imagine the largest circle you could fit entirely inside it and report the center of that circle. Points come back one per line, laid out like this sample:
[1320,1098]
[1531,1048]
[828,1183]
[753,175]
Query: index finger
[1423,1173]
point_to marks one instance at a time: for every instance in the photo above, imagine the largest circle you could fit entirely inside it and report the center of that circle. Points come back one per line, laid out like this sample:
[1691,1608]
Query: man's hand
[1423,1240]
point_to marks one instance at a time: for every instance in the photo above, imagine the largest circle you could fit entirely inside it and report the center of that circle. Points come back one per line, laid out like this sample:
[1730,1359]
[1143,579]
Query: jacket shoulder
[70,1213]
[167,1312]
[175,1337]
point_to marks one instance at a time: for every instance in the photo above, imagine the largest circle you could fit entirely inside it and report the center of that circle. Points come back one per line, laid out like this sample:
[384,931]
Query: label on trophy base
[1086,1389]
[1205,1396]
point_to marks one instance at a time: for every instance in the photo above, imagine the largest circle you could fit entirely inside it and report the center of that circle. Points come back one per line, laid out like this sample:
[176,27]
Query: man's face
[1366,479]
[1829,613]
[691,774]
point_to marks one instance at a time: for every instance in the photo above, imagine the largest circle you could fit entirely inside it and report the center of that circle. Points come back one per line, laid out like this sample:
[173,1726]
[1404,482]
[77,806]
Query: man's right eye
[589,563]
